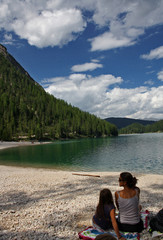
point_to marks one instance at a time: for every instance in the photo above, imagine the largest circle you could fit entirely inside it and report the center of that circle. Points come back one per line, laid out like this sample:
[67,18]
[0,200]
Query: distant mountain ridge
[124,122]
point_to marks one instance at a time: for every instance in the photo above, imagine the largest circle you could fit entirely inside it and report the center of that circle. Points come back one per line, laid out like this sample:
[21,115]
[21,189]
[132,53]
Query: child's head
[105,196]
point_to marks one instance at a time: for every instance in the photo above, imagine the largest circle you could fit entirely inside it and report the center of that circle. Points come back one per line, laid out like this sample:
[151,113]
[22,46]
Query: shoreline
[11,144]
[55,204]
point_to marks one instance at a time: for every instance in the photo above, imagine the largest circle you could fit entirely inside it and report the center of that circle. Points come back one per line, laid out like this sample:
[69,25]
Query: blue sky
[103,56]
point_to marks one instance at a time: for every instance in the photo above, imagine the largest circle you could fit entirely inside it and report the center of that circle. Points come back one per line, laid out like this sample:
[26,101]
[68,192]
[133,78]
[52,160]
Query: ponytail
[129,179]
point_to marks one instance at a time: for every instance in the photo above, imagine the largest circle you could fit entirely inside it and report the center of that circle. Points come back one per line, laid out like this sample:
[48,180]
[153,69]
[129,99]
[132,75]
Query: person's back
[128,208]
[127,201]
[104,221]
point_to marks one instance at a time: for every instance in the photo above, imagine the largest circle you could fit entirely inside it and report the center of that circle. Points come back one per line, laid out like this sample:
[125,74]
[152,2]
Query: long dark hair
[105,198]
[129,179]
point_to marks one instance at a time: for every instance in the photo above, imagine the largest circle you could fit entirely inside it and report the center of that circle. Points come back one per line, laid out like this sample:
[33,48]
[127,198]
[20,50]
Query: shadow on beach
[56,215]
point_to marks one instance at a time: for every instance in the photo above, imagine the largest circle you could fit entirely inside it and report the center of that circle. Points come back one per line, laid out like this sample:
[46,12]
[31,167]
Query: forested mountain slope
[27,111]
[139,128]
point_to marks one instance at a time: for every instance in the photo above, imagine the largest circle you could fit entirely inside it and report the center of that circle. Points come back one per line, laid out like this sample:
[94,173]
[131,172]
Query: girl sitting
[104,217]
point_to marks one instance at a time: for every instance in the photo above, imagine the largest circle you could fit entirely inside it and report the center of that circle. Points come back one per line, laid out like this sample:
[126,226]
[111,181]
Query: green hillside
[133,128]
[139,128]
[28,112]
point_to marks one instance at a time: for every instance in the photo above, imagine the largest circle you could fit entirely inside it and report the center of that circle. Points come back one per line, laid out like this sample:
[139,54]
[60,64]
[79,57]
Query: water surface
[139,153]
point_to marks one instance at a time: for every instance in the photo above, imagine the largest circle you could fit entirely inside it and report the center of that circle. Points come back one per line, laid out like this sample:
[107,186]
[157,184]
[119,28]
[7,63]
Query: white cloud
[126,21]
[51,28]
[8,39]
[57,22]
[156,53]
[149,82]
[3,11]
[150,72]
[139,103]
[81,90]
[108,41]
[160,75]
[39,25]
[86,66]
[97,96]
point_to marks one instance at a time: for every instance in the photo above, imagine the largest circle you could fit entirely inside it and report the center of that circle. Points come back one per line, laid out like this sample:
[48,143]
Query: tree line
[27,111]
[139,128]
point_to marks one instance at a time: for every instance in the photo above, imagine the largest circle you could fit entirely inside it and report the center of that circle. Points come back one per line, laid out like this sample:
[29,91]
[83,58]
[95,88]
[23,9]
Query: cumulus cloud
[103,96]
[108,41]
[139,102]
[126,21]
[8,39]
[86,66]
[134,13]
[156,53]
[160,75]
[39,25]
[55,23]
[54,28]
[81,90]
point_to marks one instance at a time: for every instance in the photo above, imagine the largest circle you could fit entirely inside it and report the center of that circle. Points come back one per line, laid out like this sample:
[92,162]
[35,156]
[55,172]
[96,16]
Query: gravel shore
[51,204]
[43,204]
[4,145]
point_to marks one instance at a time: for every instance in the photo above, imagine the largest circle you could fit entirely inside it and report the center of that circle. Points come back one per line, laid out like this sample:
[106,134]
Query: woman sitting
[127,201]
[104,217]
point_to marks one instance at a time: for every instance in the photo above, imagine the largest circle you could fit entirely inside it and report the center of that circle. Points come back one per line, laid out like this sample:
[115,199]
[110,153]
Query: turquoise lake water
[137,153]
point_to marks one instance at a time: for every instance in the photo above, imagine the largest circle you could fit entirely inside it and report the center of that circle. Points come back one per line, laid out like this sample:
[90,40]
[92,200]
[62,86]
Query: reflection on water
[138,153]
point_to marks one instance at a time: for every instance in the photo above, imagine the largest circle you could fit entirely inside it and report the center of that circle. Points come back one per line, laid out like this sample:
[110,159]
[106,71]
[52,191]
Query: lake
[141,153]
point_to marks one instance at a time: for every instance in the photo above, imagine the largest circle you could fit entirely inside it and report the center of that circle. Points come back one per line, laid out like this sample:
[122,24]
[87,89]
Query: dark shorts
[131,228]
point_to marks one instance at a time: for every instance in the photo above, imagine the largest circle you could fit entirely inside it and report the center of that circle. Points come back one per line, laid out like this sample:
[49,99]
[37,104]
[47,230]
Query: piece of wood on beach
[87,175]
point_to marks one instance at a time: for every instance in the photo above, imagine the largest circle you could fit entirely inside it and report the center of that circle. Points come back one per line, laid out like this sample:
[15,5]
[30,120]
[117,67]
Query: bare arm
[116,200]
[115,226]
[138,193]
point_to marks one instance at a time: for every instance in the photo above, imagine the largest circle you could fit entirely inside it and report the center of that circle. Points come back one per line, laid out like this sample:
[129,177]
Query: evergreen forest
[28,112]
[140,128]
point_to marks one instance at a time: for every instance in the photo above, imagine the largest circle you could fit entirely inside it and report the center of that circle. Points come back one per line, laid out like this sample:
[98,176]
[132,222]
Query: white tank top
[129,209]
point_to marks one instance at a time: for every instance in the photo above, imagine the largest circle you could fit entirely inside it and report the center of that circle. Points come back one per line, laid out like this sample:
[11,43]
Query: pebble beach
[54,204]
